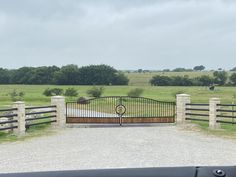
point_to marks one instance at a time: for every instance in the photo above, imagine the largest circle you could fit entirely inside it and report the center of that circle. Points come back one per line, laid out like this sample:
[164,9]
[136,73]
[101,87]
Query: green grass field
[34,96]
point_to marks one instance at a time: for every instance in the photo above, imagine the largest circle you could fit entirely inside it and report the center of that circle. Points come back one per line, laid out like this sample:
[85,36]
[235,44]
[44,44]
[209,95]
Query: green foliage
[199,68]
[53,91]
[205,80]
[16,95]
[135,92]
[233,79]
[181,81]
[4,76]
[220,77]
[71,92]
[95,92]
[101,75]
[120,79]
[233,69]
[66,75]
[181,70]
[160,80]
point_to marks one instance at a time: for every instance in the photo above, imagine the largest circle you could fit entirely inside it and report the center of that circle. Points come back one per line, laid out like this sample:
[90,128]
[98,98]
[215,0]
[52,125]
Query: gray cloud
[132,34]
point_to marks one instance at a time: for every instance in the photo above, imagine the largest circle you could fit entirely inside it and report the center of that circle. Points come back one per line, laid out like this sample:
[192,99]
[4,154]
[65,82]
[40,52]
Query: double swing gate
[120,110]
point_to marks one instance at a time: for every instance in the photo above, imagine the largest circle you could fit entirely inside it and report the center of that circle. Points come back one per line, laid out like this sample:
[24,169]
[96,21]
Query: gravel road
[115,147]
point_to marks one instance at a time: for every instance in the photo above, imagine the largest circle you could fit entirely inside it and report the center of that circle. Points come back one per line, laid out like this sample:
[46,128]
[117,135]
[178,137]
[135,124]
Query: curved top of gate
[144,98]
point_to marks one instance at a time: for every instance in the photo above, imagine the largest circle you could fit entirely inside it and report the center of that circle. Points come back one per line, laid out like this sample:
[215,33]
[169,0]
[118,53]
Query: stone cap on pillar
[183,95]
[214,99]
[19,102]
[58,97]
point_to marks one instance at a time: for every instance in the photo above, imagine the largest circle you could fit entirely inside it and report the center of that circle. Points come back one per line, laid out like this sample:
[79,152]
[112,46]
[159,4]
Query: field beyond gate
[120,110]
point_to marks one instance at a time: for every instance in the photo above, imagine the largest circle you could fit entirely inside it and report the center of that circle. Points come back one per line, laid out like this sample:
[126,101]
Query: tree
[181,81]
[4,76]
[233,69]
[95,92]
[233,79]
[68,75]
[161,80]
[53,92]
[140,70]
[220,77]
[199,68]
[181,70]
[120,79]
[16,95]
[71,92]
[135,92]
[98,75]
[205,80]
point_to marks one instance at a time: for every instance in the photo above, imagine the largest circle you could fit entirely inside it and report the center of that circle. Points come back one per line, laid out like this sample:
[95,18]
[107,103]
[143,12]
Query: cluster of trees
[66,75]
[218,78]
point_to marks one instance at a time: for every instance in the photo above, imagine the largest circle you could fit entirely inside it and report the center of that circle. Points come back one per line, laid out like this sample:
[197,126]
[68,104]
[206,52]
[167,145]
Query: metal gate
[120,110]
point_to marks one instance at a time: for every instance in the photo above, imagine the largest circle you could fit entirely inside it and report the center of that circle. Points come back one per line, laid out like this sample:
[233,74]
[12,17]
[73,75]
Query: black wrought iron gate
[120,110]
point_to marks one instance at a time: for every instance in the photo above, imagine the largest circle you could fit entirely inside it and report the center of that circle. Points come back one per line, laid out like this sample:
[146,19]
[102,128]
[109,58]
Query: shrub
[82,100]
[160,80]
[53,91]
[135,92]
[233,79]
[16,96]
[220,77]
[95,92]
[71,92]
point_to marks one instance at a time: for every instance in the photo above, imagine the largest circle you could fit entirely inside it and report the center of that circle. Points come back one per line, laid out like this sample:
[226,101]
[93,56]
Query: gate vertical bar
[120,115]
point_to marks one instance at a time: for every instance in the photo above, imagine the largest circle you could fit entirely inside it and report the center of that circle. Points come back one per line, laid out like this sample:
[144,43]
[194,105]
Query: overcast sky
[127,34]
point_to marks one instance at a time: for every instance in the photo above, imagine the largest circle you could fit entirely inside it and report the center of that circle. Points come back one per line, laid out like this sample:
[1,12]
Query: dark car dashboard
[217,171]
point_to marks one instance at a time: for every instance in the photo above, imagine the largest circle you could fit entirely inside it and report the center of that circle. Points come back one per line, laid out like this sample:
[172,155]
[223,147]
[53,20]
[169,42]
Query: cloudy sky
[127,34]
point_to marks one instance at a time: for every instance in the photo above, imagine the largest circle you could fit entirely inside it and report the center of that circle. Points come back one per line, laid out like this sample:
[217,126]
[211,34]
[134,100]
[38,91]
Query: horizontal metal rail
[9,115]
[45,117]
[41,112]
[226,122]
[10,109]
[197,104]
[195,114]
[204,120]
[225,110]
[8,128]
[39,123]
[223,116]
[8,121]
[196,109]
[40,107]
[226,104]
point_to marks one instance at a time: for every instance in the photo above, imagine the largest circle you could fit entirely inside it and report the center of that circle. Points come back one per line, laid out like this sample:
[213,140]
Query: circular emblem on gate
[120,109]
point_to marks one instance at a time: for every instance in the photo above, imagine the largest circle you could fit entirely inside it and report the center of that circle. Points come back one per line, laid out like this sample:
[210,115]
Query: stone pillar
[213,102]
[20,106]
[59,101]
[181,101]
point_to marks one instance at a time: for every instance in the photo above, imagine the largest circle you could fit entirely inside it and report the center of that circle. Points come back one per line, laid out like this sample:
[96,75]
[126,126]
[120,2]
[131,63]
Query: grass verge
[34,131]
[226,130]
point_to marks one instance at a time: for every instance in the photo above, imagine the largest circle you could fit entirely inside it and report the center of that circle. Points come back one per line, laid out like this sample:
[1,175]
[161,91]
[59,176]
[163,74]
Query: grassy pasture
[34,96]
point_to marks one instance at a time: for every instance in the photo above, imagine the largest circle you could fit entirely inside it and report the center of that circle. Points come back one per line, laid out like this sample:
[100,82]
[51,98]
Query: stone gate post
[20,112]
[181,101]
[59,102]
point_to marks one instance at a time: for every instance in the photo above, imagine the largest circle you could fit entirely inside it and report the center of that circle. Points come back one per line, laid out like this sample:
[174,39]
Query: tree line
[219,78]
[65,75]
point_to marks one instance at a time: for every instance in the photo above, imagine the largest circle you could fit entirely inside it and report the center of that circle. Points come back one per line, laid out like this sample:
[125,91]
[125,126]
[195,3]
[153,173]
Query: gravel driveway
[86,148]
